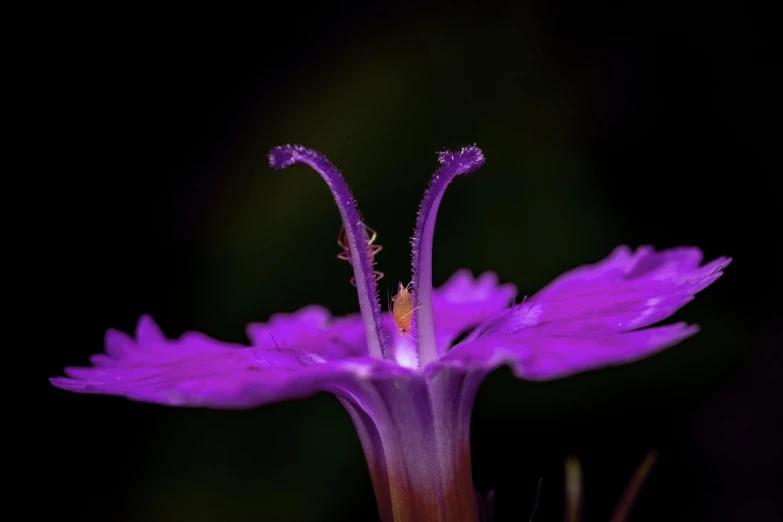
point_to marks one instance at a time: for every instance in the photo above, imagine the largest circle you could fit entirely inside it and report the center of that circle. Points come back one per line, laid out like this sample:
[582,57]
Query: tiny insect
[372,248]
[402,309]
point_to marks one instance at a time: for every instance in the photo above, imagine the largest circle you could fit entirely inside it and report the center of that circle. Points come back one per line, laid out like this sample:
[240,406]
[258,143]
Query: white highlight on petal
[405,352]
[533,315]
[647,312]
[362,371]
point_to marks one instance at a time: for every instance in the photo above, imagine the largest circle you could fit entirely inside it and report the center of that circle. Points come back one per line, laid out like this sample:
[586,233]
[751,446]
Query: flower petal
[624,292]
[312,328]
[625,270]
[593,316]
[196,370]
[537,356]
[463,302]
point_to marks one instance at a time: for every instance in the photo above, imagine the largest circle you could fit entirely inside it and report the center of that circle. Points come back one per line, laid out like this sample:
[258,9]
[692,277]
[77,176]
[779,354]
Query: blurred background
[601,126]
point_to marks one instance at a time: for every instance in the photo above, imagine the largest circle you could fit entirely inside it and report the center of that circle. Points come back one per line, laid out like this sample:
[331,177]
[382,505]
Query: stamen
[361,257]
[453,164]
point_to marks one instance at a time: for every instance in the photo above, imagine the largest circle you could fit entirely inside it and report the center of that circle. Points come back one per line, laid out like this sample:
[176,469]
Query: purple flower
[410,396]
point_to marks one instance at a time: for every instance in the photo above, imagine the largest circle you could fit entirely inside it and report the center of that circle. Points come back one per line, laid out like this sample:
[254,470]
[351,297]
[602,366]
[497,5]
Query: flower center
[414,310]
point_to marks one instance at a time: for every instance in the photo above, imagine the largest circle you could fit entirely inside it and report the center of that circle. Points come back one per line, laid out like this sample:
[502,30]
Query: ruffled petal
[626,291]
[536,356]
[593,316]
[312,328]
[196,370]
[463,302]
[646,270]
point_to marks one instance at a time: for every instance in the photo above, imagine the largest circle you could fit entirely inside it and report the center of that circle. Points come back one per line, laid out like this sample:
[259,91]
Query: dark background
[601,126]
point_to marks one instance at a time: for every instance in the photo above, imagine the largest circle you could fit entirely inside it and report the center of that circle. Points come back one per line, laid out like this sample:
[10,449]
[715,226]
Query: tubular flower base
[410,396]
